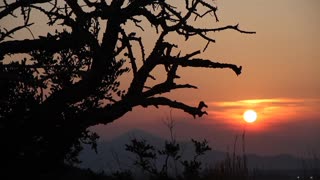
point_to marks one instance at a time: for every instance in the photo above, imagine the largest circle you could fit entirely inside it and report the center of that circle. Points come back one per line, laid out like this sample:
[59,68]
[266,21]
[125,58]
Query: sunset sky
[280,80]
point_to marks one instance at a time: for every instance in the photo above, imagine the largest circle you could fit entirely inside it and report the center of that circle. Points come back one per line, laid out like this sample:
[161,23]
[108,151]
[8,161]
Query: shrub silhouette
[146,155]
[69,79]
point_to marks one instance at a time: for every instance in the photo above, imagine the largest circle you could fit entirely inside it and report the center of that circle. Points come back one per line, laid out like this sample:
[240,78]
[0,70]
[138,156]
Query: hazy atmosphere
[82,80]
[280,80]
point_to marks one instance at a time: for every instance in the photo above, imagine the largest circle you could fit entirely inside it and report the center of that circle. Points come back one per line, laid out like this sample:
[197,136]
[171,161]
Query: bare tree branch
[76,8]
[157,101]
[184,62]
[165,88]
[130,55]
[12,31]
[13,6]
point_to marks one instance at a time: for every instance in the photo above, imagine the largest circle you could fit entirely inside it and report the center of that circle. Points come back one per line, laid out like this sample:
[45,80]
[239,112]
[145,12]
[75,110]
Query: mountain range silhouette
[112,156]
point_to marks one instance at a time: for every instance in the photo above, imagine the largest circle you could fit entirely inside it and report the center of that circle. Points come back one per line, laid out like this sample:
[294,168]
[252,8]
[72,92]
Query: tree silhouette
[69,80]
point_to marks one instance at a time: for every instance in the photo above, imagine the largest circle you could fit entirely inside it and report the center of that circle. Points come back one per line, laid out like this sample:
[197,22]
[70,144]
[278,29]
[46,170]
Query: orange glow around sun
[266,114]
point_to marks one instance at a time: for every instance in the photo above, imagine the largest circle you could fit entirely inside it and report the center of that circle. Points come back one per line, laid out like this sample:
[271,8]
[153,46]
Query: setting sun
[250,116]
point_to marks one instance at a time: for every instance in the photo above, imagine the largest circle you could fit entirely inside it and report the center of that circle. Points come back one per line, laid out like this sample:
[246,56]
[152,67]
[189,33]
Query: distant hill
[112,155]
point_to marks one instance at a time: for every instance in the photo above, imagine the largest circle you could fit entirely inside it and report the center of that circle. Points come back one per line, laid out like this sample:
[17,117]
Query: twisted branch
[162,16]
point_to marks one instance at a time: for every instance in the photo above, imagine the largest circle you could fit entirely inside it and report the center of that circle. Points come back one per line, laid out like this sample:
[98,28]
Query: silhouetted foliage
[192,168]
[145,154]
[69,80]
[146,157]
